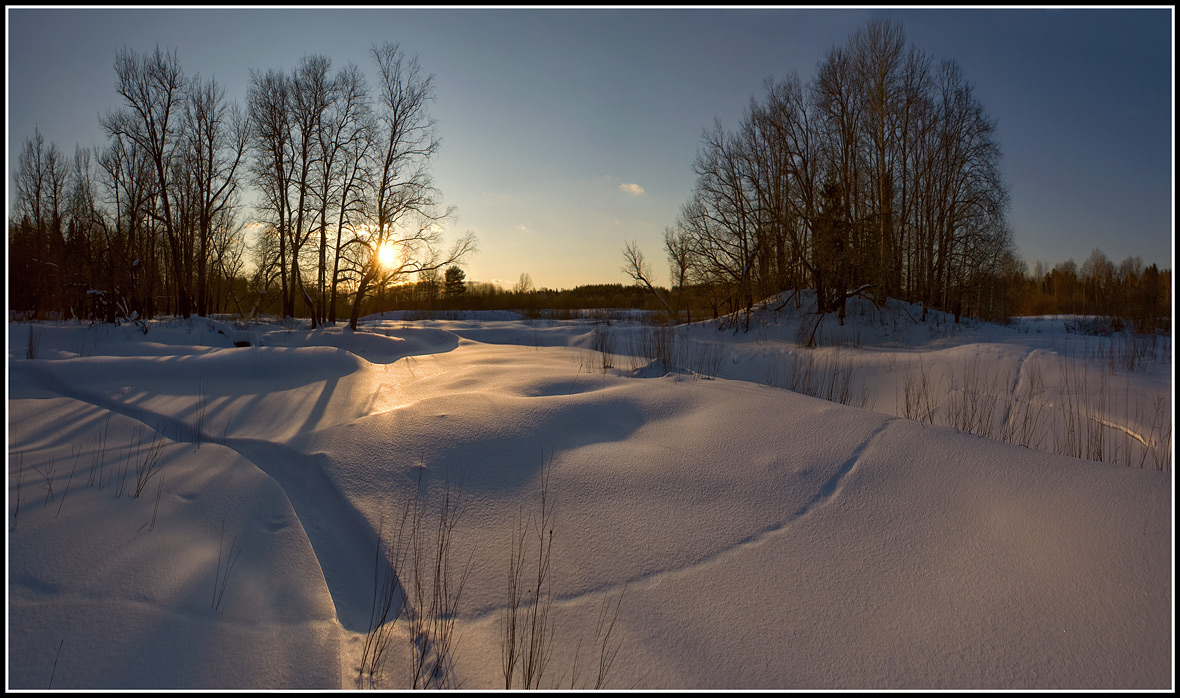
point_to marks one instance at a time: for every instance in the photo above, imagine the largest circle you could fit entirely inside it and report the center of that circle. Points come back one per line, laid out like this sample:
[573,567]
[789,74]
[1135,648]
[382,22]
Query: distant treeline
[425,295]
[1129,294]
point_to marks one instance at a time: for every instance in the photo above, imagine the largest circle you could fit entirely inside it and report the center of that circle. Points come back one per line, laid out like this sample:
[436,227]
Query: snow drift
[187,513]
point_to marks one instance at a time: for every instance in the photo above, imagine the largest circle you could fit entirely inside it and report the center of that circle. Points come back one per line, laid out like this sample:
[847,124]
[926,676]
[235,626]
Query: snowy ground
[184,513]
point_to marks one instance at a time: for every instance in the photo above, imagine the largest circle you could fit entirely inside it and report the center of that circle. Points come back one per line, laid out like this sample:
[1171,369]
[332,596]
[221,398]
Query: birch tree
[218,134]
[152,87]
[403,233]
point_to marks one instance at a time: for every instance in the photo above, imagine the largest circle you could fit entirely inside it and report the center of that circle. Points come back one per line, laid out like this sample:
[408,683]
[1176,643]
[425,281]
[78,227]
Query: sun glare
[387,255]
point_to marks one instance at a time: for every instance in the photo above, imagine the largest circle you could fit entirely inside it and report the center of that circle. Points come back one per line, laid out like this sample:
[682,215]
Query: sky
[568,132]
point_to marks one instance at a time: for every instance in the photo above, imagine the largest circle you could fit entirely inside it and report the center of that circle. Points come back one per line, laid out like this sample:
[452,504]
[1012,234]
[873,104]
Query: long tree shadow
[340,536]
[343,540]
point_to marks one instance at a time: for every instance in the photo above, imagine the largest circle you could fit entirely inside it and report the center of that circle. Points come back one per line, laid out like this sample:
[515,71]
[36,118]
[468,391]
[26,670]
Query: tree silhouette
[454,283]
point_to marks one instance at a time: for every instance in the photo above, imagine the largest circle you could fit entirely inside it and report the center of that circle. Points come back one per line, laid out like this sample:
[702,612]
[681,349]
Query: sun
[387,255]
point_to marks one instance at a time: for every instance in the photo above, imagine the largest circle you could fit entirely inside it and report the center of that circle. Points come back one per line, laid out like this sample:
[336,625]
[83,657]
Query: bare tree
[790,124]
[311,94]
[878,175]
[217,136]
[57,174]
[128,179]
[678,247]
[268,266]
[403,232]
[267,98]
[89,276]
[152,87]
[971,199]
[636,267]
[722,217]
[839,99]
[32,180]
[877,54]
[524,284]
[28,263]
[346,141]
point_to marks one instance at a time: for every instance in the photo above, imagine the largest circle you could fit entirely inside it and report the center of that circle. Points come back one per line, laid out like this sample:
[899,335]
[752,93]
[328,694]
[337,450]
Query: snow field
[753,537]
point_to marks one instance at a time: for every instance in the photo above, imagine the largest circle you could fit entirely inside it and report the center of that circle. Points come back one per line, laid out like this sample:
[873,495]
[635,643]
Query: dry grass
[434,589]
[1026,423]
[526,627]
[388,599]
[973,398]
[607,651]
[1093,414]
[20,476]
[824,374]
[422,587]
[33,347]
[705,358]
[56,656]
[221,580]
[918,396]
[47,473]
[73,468]
[100,455]
[147,461]
[602,340]
[655,344]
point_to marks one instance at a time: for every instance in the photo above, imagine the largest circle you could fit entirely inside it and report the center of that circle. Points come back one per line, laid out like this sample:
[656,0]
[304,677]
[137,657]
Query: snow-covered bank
[756,537]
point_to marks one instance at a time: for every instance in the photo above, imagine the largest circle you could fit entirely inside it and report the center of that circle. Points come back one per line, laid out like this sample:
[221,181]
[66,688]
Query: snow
[753,537]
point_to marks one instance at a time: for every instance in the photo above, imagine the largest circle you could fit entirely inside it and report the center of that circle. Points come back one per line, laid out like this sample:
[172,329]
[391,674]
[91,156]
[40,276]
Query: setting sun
[387,255]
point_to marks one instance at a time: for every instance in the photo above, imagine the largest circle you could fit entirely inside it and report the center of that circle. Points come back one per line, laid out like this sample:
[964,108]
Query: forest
[157,221]
[878,177]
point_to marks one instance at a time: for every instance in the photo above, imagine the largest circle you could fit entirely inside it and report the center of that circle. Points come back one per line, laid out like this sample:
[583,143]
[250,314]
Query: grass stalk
[100,456]
[221,580]
[526,627]
[156,505]
[432,584]
[63,495]
[34,343]
[602,340]
[20,476]
[147,461]
[56,656]
[198,427]
[382,618]
[48,475]
[602,635]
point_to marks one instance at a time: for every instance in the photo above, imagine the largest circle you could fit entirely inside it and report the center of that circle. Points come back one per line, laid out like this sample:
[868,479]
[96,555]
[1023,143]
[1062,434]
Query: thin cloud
[631,189]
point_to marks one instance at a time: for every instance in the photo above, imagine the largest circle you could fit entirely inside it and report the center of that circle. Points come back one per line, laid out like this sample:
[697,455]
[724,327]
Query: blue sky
[567,132]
